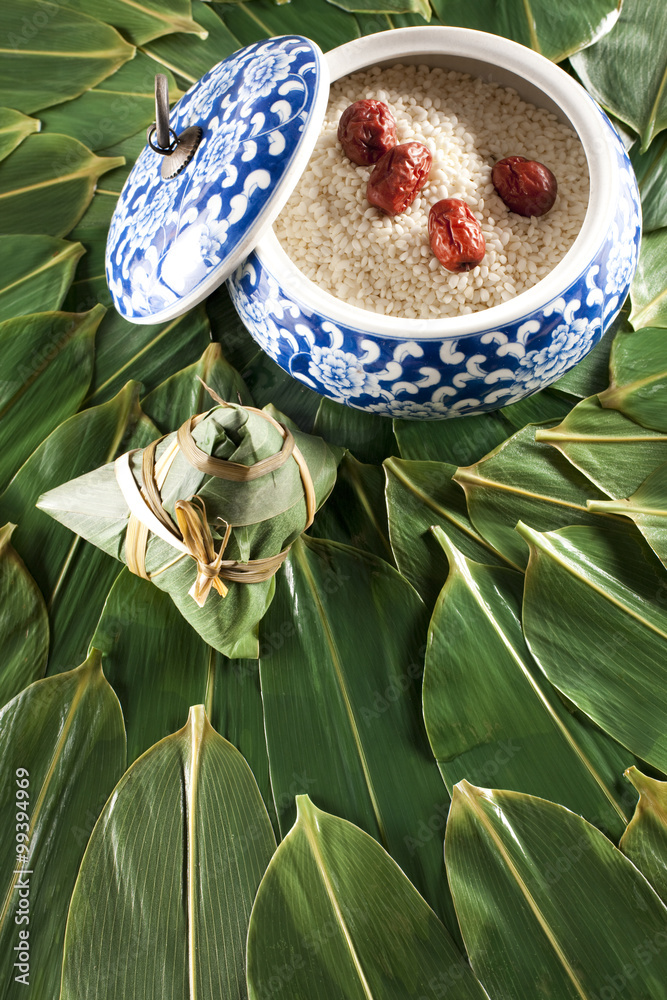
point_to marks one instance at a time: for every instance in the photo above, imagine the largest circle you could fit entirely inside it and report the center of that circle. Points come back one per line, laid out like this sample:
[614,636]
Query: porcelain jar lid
[173,241]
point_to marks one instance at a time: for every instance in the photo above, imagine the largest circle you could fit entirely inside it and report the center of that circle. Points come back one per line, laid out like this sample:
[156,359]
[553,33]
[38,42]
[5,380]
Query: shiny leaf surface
[190,56]
[51,53]
[647,508]
[645,840]
[531,881]
[141,20]
[341,701]
[336,918]
[556,32]
[639,377]
[47,364]
[524,480]
[651,170]
[419,495]
[626,71]
[368,436]
[162,903]
[24,624]
[316,19]
[648,292]
[46,184]
[491,715]
[421,7]
[14,127]
[595,619]
[35,273]
[62,744]
[613,452]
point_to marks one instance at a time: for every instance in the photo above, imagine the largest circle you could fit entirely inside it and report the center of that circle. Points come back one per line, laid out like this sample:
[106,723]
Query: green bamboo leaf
[648,292]
[336,918]
[167,914]
[421,7]
[35,273]
[271,384]
[355,513]
[47,365]
[141,20]
[594,618]
[191,56]
[73,576]
[62,746]
[651,170]
[368,436]
[494,719]
[252,21]
[556,32]
[627,70]
[638,376]
[118,107]
[340,703]
[184,393]
[24,624]
[548,906]
[524,480]
[613,452]
[156,691]
[51,53]
[647,508]
[464,440]
[14,127]
[46,184]
[419,495]
[645,840]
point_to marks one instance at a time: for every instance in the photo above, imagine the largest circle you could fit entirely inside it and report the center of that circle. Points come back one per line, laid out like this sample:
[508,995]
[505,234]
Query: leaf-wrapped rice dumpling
[207,513]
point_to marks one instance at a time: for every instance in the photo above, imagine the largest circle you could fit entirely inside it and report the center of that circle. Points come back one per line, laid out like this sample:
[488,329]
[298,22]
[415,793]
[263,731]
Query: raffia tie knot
[198,540]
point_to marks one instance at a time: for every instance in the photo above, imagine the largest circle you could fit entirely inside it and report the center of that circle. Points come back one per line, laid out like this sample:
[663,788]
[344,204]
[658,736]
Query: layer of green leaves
[645,840]
[648,293]
[24,624]
[14,127]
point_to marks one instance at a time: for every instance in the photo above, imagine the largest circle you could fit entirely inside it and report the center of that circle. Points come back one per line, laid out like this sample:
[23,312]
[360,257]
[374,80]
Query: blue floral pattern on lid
[172,242]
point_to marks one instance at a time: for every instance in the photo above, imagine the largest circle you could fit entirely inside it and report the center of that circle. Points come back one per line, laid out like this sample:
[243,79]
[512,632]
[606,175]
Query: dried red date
[398,177]
[366,131]
[526,186]
[455,234]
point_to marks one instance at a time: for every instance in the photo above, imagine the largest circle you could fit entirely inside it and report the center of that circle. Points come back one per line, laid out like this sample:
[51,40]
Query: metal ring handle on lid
[177,150]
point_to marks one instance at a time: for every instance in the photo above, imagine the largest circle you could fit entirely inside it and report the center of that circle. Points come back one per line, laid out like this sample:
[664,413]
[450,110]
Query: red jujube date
[455,235]
[366,131]
[526,186]
[398,177]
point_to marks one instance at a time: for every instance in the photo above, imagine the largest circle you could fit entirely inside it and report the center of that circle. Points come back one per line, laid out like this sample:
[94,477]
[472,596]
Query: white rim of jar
[574,102]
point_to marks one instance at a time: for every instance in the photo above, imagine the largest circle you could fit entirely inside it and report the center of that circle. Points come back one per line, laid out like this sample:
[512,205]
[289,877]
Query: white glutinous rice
[385,264]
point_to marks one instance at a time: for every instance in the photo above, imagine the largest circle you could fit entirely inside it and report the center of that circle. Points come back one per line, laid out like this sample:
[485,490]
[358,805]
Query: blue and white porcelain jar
[424,369]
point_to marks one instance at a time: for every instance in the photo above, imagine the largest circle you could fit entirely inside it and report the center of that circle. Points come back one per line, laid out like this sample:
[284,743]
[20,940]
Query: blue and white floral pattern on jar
[430,378]
[168,239]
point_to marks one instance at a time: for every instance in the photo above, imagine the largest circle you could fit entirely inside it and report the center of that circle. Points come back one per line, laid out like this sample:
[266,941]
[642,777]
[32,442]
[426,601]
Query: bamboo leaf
[355,513]
[645,840]
[555,32]
[270,384]
[35,273]
[141,20]
[419,495]
[493,718]
[24,624]
[170,911]
[73,576]
[190,56]
[626,71]
[51,53]
[421,7]
[341,702]
[594,618]
[651,171]
[14,127]
[317,19]
[613,452]
[647,508]
[62,743]
[648,293]
[368,436]
[547,904]
[336,918]
[46,184]
[638,373]
[524,480]
[464,440]
[115,109]
[48,361]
